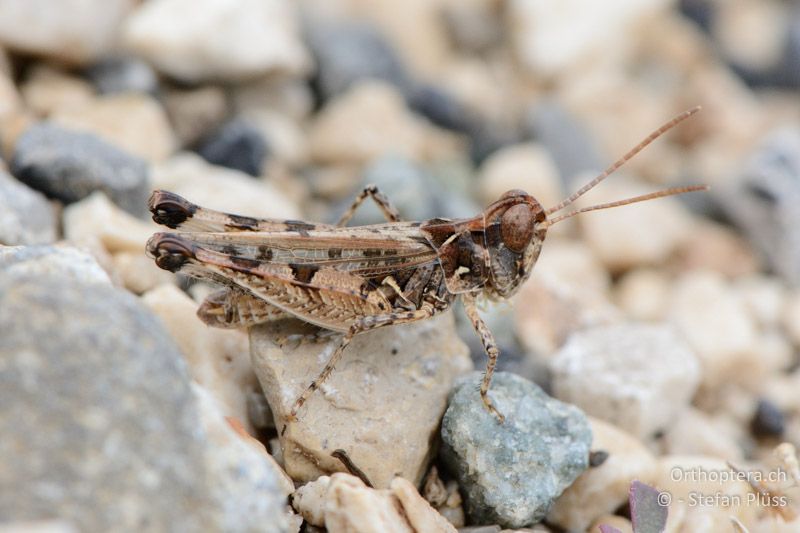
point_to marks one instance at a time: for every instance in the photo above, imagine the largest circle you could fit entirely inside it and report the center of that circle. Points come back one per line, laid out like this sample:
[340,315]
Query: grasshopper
[354,279]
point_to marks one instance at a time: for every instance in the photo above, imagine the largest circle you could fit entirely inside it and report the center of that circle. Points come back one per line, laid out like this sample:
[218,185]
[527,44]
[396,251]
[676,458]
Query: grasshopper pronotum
[354,279]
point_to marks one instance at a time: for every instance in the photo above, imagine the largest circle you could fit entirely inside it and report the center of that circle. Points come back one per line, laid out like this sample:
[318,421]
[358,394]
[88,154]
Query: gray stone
[25,215]
[569,143]
[99,425]
[348,53]
[123,74]
[238,145]
[69,264]
[765,201]
[70,165]
[510,473]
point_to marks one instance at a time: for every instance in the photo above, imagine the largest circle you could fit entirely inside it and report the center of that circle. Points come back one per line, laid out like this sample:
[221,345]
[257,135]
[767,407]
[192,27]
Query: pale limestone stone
[643,294]
[636,376]
[221,188]
[382,404]
[687,479]
[69,30]
[765,297]
[343,504]
[522,166]
[218,359]
[138,273]
[697,433]
[368,121]
[132,121]
[718,326]
[790,317]
[47,90]
[712,246]
[636,235]
[188,39]
[96,217]
[602,489]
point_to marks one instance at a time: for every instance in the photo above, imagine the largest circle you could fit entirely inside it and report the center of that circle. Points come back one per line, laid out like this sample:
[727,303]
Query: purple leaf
[648,508]
[605,528]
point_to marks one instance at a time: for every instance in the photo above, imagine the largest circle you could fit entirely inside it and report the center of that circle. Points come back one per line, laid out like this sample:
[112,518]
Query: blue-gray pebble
[70,165]
[510,473]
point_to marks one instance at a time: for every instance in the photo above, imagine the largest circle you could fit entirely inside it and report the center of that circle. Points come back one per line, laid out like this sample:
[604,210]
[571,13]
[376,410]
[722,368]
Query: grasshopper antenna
[621,161]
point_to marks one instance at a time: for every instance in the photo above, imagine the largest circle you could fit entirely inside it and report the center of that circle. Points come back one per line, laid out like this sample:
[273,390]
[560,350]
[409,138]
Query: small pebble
[768,420]
[237,145]
[511,473]
[70,165]
[121,75]
[638,377]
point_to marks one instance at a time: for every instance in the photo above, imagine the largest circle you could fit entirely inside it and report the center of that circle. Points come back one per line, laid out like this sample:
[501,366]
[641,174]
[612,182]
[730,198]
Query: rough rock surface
[636,376]
[66,262]
[25,215]
[70,165]
[511,473]
[96,393]
[382,404]
[184,38]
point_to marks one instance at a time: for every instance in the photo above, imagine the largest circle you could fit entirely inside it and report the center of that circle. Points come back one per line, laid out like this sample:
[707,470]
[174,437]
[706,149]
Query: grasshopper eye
[516,227]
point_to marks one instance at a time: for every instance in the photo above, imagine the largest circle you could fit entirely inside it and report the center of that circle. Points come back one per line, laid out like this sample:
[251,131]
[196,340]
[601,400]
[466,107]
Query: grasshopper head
[516,226]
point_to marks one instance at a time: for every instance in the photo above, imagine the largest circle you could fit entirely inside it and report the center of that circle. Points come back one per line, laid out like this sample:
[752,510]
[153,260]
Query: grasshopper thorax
[515,228]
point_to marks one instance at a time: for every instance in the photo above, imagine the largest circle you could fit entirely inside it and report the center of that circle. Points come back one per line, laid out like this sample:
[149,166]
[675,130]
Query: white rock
[635,235]
[138,273]
[764,297]
[718,326]
[196,40]
[47,90]
[133,121]
[71,30]
[697,433]
[97,217]
[343,504]
[382,404]
[218,359]
[370,120]
[522,166]
[790,317]
[63,261]
[249,488]
[222,188]
[643,294]
[602,489]
[551,37]
[638,377]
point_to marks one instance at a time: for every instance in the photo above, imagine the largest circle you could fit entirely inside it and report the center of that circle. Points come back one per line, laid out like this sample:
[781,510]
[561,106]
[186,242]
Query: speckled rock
[64,261]
[26,216]
[70,165]
[97,395]
[604,488]
[382,404]
[218,359]
[72,30]
[134,122]
[638,377]
[238,145]
[511,473]
[184,38]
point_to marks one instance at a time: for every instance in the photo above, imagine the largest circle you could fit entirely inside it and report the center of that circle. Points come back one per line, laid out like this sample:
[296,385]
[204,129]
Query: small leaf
[648,514]
[605,528]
